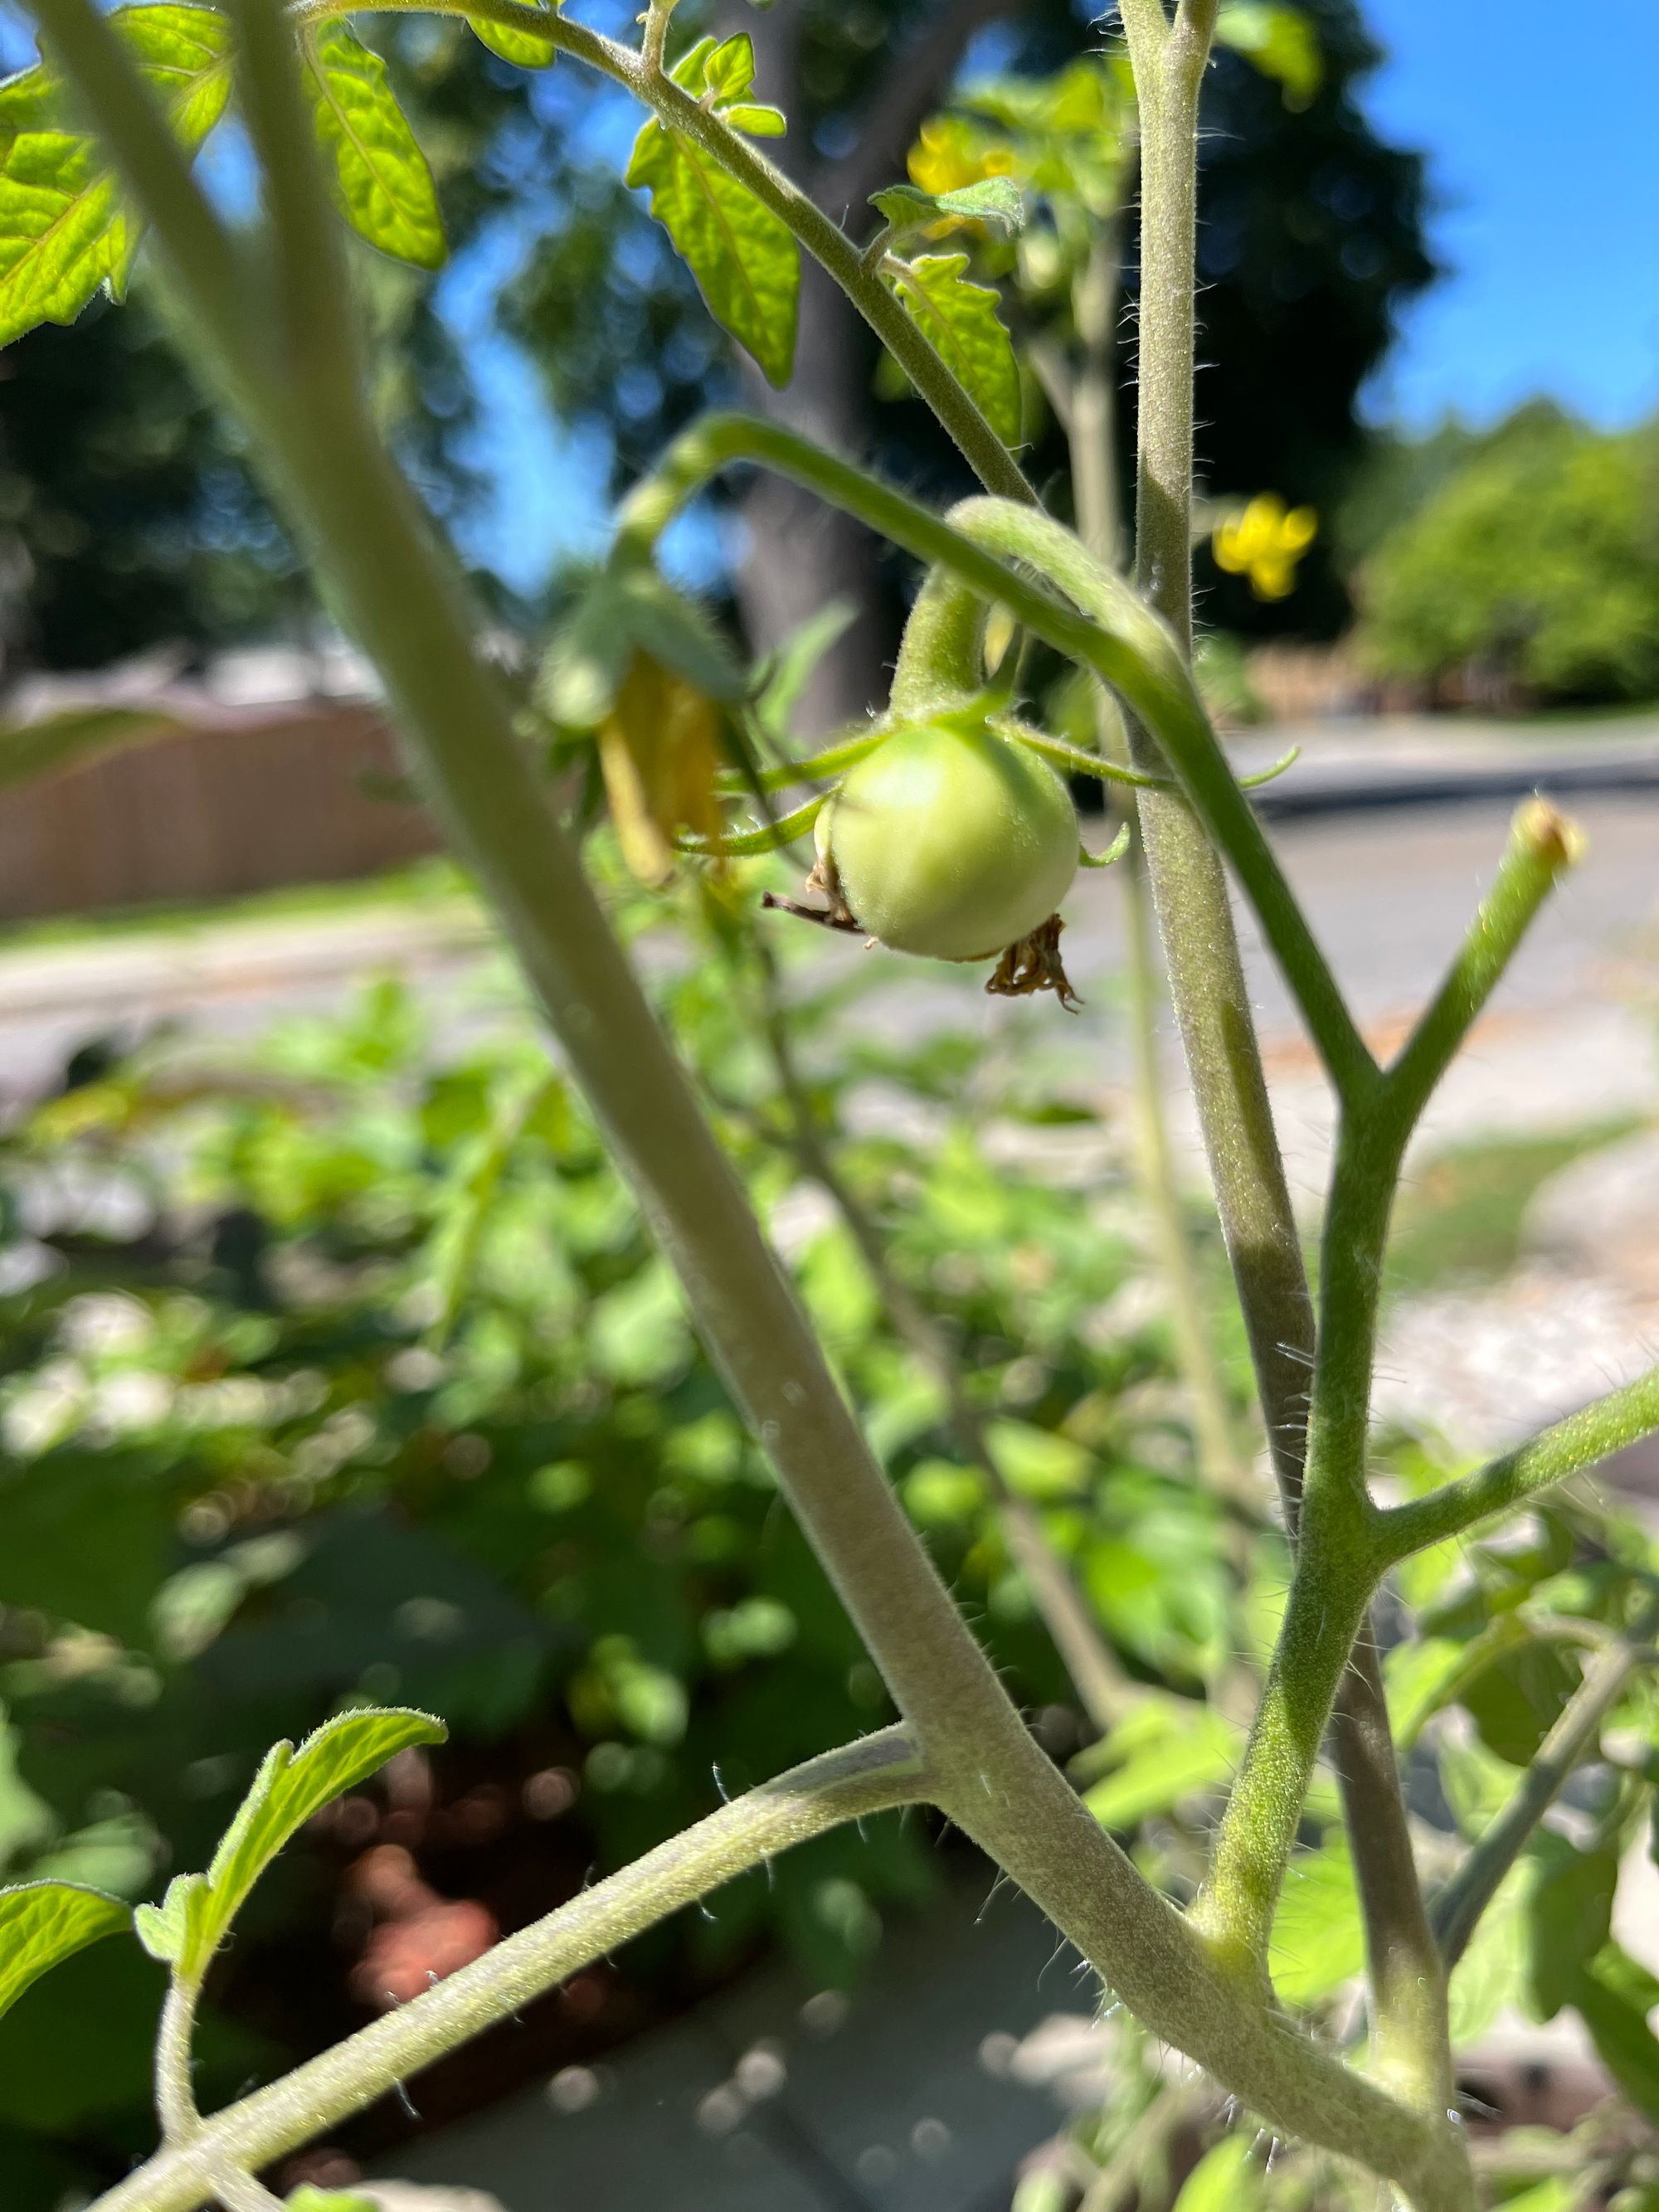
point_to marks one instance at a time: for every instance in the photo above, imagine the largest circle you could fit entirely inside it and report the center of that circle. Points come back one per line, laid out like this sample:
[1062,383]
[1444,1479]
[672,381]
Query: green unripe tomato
[950,841]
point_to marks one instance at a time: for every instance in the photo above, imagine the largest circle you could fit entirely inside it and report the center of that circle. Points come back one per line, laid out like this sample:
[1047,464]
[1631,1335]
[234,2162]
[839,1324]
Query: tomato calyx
[1034,964]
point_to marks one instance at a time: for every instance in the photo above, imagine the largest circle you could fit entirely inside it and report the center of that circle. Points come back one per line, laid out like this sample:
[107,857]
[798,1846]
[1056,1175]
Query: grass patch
[1458,1215]
[426,883]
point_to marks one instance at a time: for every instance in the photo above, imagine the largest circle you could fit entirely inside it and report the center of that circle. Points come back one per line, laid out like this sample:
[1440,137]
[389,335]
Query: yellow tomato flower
[1264,540]
[948,154]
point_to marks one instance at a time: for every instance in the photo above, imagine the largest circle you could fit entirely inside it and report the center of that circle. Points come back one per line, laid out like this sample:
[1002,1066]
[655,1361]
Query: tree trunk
[800,554]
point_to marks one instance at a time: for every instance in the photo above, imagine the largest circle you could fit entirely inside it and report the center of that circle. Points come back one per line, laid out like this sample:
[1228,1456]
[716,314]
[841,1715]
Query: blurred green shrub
[346,1368]
[1536,562]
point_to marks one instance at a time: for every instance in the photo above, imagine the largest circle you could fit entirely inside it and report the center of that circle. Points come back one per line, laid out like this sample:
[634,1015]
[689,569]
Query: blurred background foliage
[341,1367]
[346,1368]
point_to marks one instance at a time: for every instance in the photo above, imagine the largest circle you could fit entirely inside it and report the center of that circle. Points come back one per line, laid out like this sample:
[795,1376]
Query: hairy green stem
[176,2092]
[1595,1432]
[1407,1990]
[1456,1911]
[882,1771]
[823,239]
[311,305]
[1542,845]
[1091,438]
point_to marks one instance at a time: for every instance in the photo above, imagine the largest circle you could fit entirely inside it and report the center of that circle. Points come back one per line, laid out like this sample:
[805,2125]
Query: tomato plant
[947,837]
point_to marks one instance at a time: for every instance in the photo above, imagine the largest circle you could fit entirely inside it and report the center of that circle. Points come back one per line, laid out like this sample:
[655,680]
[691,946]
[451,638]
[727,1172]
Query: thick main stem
[1092,441]
[1208,986]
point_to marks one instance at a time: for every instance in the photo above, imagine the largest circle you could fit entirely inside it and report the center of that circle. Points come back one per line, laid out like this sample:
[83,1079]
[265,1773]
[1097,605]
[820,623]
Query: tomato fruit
[952,840]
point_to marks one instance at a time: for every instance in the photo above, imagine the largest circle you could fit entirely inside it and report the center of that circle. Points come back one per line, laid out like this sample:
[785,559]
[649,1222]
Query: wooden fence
[242,801]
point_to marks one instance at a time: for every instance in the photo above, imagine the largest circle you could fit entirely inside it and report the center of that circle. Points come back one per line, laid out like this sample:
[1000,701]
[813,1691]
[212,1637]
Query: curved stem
[882,1771]
[1595,1432]
[825,240]
[175,2092]
[1542,845]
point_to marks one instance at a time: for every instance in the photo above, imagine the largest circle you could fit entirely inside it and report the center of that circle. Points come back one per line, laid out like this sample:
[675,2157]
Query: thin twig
[881,1772]
[1456,1911]
[1101,1683]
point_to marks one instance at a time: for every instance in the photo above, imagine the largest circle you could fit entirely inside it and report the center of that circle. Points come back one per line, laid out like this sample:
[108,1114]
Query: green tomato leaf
[1570,1914]
[717,69]
[1281,42]
[306,2198]
[191,1922]
[522,48]
[1492,1974]
[1167,1750]
[743,257]
[63,231]
[758,120]
[76,737]
[993,200]
[1614,1997]
[960,320]
[1225,2180]
[382,184]
[1318,1943]
[44,1922]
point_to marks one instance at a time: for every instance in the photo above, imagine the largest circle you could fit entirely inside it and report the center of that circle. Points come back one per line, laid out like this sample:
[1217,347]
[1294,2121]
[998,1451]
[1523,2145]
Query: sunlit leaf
[191,1922]
[381,181]
[960,320]
[44,1922]
[1167,1750]
[743,257]
[1492,1974]
[994,201]
[74,738]
[63,229]
[522,48]
[717,69]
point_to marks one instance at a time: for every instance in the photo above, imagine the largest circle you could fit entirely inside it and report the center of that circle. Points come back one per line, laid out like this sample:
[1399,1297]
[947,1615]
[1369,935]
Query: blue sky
[1539,118]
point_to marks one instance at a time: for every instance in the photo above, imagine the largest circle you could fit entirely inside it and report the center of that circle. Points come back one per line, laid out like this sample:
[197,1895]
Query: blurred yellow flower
[948,154]
[1264,540]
